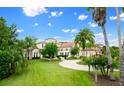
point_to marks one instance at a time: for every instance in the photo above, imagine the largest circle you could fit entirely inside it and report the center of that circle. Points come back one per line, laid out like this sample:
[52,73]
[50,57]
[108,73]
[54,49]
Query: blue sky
[60,23]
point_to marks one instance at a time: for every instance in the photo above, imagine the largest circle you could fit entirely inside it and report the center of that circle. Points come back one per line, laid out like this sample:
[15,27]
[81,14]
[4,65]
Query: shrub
[83,58]
[88,61]
[11,51]
[101,63]
[6,64]
[116,64]
[74,50]
[50,50]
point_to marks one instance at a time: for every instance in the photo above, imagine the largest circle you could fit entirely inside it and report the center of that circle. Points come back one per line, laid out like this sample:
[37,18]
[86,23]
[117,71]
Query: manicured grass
[41,72]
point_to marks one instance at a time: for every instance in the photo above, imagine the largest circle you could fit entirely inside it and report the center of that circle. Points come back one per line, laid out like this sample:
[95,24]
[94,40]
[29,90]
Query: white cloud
[20,30]
[92,24]
[49,24]
[99,35]
[34,11]
[113,42]
[74,30]
[57,37]
[70,30]
[36,24]
[122,19]
[112,17]
[122,16]
[56,13]
[82,17]
[66,30]
[115,17]
[99,39]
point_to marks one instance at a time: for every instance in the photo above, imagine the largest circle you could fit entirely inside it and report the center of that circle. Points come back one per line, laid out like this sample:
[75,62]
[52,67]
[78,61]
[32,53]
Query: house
[64,48]
[90,52]
[40,45]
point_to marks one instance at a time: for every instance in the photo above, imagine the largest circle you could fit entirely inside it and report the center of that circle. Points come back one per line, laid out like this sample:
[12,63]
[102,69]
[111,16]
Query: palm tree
[99,16]
[84,36]
[30,43]
[120,46]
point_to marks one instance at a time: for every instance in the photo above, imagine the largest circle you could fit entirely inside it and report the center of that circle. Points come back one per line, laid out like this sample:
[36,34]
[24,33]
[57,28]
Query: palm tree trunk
[89,68]
[120,47]
[95,75]
[28,54]
[86,51]
[108,53]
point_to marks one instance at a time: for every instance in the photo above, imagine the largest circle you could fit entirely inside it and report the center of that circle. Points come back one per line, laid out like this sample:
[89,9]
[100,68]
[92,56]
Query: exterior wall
[87,53]
[40,45]
[64,51]
[36,53]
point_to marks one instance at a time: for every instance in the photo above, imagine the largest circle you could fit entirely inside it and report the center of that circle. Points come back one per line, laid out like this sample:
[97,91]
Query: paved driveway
[72,64]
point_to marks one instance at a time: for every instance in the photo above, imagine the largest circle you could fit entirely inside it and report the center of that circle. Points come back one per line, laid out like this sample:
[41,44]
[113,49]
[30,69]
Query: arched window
[36,54]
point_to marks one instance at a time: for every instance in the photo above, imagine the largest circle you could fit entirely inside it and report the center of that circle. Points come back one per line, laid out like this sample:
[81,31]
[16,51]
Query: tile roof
[66,44]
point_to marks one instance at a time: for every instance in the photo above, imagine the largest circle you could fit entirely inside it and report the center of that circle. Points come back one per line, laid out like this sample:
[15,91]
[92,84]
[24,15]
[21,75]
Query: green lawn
[44,73]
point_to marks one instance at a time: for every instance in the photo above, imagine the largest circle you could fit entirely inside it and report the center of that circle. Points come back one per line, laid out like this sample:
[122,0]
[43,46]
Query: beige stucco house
[64,48]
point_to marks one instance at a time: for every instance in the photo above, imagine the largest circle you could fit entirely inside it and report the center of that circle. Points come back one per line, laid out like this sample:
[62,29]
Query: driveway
[72,64]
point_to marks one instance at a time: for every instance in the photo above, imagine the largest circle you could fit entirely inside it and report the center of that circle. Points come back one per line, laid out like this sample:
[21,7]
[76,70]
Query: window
[34,54]
[42,45]
[67,53]
[66,49]
[61,53]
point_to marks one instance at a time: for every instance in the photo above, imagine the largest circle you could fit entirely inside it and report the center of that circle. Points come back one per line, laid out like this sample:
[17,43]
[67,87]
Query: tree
[30,43]
[10,54]
[90,44]
[99,16]
[120,46]
[84,36]
[88,61]
[74,50]
[50,50]
[114,52]
[100,63]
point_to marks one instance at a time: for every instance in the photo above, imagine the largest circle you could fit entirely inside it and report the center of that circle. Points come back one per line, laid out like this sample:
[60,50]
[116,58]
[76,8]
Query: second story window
[66,49]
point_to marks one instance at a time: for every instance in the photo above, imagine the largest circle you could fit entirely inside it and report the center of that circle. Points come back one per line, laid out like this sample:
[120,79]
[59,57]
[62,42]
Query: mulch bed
[105,81]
